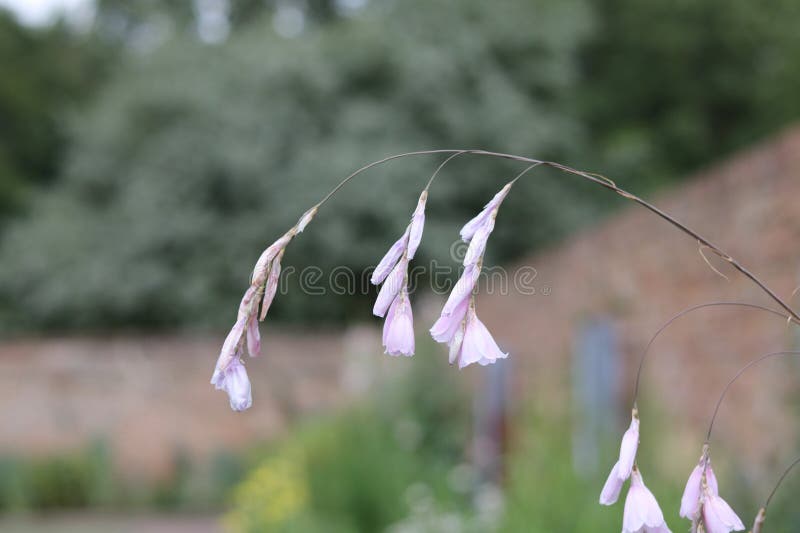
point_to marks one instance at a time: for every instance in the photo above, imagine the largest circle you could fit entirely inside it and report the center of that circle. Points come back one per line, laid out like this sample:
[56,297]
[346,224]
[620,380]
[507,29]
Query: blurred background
[150,150]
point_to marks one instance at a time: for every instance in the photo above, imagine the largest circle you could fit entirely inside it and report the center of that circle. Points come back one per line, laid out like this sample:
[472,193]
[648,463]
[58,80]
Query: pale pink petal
[690,502]
[718,515]
[389,318]
[642,512]
[477,245]
[446,327]
[627,450]
[399,327]
[417,224]
[478,345]
[235,382]
[610,493]
[253,337]
[711,480]
[391,287]
[271,287]
[462,290]
[390,259]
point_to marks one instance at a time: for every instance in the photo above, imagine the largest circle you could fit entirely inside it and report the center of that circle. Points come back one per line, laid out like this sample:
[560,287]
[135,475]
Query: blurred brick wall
[151,396]
[638,270]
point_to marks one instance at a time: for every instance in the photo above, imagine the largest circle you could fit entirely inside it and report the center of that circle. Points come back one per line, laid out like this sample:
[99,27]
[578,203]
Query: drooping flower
[398,328]
[392,271]
[473,343]
[621,470]
[701,500]
[690,501]
[235,382]
[458,326]
[718,517]
[642,513]
[229,372]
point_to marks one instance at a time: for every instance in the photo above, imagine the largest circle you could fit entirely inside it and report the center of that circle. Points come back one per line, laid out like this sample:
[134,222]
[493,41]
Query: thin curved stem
[603,182]
[744,369]
[440,167]
[780,480]
[685,312]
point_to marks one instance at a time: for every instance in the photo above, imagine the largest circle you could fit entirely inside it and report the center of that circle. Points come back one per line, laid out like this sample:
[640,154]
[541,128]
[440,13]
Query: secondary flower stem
[780,480]
[744,369]
[685,312]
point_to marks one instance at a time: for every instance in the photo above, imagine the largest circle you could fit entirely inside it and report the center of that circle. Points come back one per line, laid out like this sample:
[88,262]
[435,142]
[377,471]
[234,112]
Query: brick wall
[640,271]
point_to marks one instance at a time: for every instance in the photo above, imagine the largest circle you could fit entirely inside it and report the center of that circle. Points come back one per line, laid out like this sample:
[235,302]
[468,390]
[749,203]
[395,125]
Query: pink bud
[472,226]
[627,450]
[416,226]
[610,493]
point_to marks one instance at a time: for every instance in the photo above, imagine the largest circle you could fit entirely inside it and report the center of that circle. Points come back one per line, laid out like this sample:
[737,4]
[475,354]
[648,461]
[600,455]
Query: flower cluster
[701,502]
[392,271]
[642,513]
[459,326]
[230,374]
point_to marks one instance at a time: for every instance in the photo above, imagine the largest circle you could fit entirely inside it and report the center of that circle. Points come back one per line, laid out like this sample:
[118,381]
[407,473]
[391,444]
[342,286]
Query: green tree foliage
[42,73]
[669,86]
[195,158]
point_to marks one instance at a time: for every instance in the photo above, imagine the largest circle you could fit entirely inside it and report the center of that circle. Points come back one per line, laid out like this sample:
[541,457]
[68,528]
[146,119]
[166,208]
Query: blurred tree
[669,86]
[196,157]
[44,72]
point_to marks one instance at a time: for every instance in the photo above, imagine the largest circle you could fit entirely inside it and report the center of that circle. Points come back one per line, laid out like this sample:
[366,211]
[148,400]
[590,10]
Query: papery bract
[307,217]
[262,265]
[271,287]
[642,513]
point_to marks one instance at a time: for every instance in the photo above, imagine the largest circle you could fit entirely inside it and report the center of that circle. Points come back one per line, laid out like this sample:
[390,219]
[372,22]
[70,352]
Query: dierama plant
[469,340]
